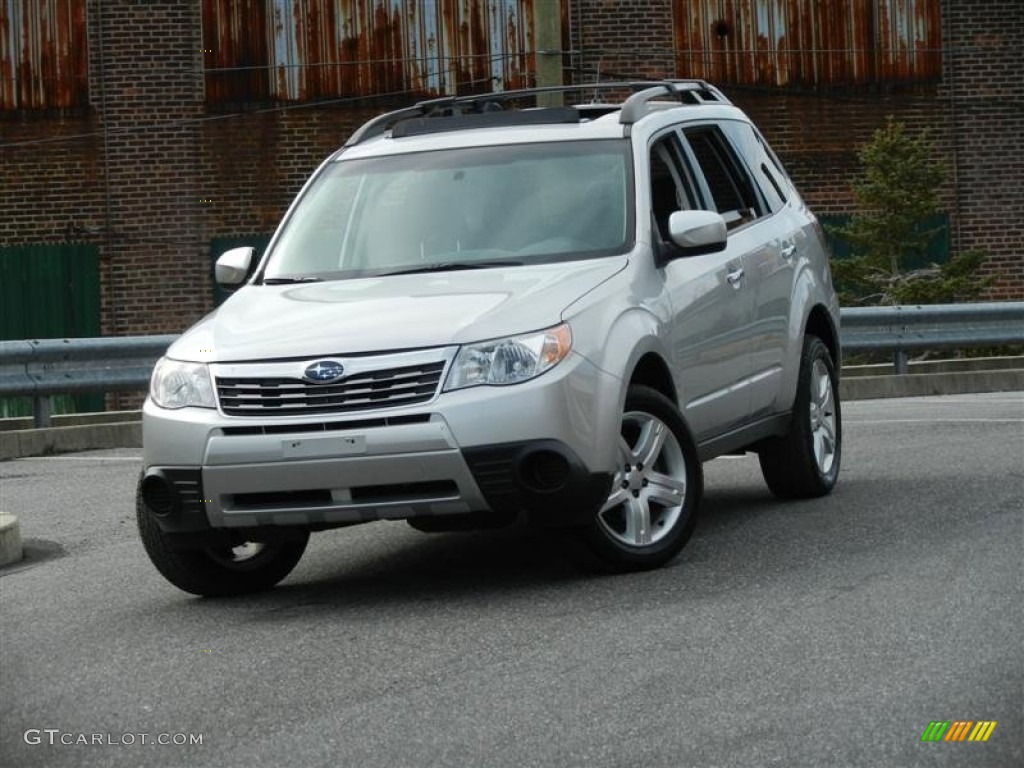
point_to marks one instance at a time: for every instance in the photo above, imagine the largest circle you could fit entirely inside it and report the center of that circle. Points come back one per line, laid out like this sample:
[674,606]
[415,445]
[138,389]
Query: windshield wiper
[451,266]
[290,280]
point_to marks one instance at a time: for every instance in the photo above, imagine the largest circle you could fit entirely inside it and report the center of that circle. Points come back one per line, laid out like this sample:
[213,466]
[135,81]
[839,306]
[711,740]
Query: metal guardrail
[41,368]
[903,329]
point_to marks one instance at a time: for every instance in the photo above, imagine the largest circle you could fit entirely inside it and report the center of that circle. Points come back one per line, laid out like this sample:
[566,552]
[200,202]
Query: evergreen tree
[898,193]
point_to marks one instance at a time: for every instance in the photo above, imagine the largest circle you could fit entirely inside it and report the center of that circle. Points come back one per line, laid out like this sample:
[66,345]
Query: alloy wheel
[823,417]
[649,489]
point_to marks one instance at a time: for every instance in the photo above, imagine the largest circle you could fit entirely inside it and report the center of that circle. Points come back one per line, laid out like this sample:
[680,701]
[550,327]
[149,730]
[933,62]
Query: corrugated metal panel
[302,50]
[229,41]
[44,60]
[49,291]
[808,42]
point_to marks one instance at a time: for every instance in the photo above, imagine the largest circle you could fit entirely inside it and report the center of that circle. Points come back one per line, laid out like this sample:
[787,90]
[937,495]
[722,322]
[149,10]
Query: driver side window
[672,188]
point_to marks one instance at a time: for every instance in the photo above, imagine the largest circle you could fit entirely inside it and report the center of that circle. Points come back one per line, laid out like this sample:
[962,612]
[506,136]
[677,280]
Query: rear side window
[764,167]
[731,191]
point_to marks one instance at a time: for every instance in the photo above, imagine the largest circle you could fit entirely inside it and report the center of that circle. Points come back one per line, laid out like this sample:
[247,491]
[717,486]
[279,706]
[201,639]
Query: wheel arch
[652,371]
[819,323]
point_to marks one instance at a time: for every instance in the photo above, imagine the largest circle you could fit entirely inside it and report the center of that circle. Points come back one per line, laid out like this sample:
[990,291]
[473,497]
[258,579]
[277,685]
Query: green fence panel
[50,291]
[225,243]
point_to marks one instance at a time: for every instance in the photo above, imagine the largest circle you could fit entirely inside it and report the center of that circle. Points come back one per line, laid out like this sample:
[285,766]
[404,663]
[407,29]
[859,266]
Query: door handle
[788,251]
[735,277]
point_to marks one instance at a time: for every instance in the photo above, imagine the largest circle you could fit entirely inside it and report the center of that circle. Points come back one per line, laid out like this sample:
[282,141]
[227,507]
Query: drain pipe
[953,131]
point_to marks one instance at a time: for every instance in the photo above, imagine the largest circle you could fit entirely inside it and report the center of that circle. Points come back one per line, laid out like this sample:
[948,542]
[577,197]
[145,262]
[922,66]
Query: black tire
[615,535]
[213,572]
[805,463]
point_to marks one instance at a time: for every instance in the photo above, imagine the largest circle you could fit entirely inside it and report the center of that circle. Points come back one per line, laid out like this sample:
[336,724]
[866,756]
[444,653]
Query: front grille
[362,391]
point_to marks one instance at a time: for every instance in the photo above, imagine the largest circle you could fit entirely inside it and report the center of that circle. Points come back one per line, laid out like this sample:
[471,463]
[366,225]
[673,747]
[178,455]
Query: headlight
[176,384]
[510,360]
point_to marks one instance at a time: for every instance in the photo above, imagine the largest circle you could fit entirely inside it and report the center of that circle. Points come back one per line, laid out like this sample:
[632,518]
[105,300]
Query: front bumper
[545,446]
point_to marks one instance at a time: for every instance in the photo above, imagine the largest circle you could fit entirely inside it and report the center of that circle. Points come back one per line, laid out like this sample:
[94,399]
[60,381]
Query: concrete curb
[924,384]
[18,443]
[10,540]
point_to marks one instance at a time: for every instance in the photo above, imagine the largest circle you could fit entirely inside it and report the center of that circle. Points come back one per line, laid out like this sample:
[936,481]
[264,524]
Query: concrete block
[43,442]
[10,540]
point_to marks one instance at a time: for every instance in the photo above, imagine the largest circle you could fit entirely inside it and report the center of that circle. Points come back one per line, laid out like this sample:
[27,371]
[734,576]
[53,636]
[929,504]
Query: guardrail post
[41,407]
[900,361]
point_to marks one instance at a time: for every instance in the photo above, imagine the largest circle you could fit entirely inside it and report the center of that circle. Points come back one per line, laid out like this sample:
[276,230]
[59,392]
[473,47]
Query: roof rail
[686,91]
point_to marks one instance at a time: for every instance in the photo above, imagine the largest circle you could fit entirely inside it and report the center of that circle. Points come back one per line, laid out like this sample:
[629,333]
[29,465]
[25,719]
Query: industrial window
[310,50]
[808,42]
[44,61]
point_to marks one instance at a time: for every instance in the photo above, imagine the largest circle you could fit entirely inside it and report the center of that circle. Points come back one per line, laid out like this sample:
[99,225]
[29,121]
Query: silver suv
[477,310]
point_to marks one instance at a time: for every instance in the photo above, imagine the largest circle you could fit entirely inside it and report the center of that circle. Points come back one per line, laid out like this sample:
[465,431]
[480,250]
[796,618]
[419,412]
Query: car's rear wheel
[805,463]
[651,511]
[218,571]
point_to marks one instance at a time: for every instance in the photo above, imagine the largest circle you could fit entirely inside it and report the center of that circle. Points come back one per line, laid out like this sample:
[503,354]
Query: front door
[711,301]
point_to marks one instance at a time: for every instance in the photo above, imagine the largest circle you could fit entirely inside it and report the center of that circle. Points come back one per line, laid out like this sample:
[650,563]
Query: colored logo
[958,730]
[324,372]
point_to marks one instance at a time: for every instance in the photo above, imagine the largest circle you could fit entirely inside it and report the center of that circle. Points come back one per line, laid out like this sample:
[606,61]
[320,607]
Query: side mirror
[233,266]
[697,232]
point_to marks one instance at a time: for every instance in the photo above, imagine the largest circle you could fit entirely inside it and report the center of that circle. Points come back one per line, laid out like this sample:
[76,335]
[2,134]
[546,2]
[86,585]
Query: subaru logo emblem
[324,371]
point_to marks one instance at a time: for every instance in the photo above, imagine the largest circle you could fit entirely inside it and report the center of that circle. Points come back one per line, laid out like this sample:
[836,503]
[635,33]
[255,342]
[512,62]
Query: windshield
[455,209]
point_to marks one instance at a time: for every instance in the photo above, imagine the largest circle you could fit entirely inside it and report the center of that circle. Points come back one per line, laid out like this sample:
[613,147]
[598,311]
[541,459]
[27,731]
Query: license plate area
[323,447]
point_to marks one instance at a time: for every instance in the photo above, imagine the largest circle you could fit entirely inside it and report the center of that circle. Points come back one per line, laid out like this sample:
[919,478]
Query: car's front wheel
[651,510]
[805,463]
[218,571]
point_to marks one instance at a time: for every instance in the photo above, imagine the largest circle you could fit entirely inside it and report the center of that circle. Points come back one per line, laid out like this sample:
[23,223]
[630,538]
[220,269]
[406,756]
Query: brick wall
[983,90]
[146,92]
[151,174]
[622,40]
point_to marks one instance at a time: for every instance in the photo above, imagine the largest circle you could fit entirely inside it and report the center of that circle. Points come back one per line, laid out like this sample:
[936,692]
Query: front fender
[615,342]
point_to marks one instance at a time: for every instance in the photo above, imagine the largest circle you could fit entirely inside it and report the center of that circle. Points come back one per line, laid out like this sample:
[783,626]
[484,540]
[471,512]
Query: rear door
[773,268]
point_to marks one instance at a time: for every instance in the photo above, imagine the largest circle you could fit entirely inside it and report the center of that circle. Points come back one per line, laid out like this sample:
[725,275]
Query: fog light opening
[544,471]
[158,494]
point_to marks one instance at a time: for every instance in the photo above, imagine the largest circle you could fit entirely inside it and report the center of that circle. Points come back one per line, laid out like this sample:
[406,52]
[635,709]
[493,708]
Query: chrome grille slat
[352,394]
[328,392]
[264,395]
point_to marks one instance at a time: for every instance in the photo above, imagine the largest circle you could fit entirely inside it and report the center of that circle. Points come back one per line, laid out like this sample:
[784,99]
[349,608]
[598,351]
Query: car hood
[378,314]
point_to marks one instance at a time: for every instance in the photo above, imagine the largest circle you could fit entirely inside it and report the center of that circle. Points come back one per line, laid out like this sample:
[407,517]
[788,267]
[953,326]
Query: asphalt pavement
[820,633]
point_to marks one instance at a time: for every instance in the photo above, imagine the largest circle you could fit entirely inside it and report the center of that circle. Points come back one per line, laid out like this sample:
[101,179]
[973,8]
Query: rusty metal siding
[44,62]
[808,42]
[308,50]
[235,58]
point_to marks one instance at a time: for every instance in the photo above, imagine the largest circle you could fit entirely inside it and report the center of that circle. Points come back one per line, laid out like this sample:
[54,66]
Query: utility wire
[187,121]
[667,52]
[439,58]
